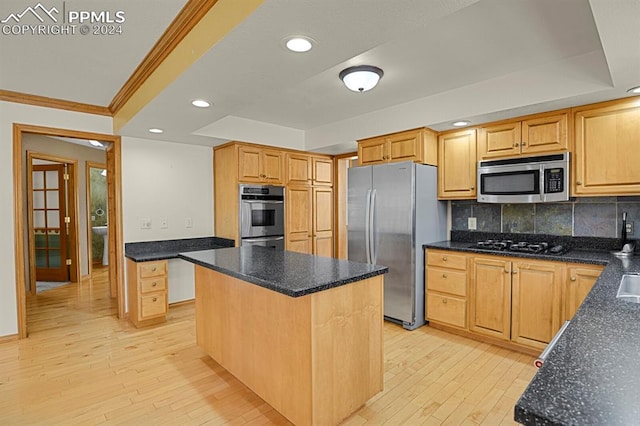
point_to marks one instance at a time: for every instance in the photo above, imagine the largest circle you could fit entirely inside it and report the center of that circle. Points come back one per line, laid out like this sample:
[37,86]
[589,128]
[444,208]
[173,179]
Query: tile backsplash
[580,217]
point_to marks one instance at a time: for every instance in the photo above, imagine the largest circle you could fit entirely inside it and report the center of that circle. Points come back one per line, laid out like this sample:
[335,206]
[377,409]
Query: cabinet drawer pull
[578,182]
[153,284]
[506,271]
[155,298]
[444,275]
[573,278]
[153,269]
[444,301]
[515,145]
[472,188]
[444,258]
[514,272]
[523,144]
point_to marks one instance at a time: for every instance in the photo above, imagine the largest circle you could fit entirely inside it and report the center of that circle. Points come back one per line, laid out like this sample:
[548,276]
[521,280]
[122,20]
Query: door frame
[116,252]
[87,167]
[72,212]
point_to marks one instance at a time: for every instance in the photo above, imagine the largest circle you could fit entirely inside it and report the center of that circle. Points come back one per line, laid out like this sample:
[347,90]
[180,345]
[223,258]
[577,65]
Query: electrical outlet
[188,222]
[145,223]
[629,228]
[472,224]
[164,223]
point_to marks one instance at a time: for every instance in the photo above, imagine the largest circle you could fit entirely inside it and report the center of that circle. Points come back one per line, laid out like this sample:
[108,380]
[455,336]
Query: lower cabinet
[147,292]
[446,288]
[580,279]
[521,302]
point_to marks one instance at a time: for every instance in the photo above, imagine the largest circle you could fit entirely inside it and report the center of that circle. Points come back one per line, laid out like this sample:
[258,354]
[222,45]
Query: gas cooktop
[538,247]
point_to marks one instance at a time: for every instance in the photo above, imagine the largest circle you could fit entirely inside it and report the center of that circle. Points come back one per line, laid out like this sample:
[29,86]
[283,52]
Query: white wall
[25,114]
[163,180]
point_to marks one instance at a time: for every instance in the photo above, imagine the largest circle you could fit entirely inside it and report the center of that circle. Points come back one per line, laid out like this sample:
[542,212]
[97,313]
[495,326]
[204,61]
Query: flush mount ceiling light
[634,90]
[461,123]
[154,130]
[361,78]
[299,44]
[200,103]
[95,143]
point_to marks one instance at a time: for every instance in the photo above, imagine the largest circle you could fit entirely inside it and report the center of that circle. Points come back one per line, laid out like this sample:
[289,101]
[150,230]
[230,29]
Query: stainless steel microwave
[539,179]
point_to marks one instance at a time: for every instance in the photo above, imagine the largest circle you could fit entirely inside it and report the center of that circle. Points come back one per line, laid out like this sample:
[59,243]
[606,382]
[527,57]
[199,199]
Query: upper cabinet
[303,169]
[418,145]
[606,153]
[539,134]
[260,165]
[457,165]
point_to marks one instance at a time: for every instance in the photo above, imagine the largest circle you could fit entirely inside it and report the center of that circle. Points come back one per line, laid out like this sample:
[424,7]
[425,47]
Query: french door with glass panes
[49,224]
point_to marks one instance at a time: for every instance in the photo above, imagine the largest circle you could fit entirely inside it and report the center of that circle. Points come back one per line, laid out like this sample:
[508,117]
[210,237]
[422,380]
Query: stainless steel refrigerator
[392,211]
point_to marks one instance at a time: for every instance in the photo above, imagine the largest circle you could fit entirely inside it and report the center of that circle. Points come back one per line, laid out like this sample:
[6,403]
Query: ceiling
[443,60]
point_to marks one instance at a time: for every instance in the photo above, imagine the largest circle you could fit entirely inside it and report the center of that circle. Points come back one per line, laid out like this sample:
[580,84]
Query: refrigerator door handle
[367,227]
[372,228]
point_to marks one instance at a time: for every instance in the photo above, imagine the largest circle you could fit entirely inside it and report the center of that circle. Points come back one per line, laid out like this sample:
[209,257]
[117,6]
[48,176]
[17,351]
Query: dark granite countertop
[592,375]
[168,249]
[287,272]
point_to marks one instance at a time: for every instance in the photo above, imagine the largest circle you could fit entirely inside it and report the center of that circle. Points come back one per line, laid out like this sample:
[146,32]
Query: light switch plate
[188,222]
[472,223]
[145,223]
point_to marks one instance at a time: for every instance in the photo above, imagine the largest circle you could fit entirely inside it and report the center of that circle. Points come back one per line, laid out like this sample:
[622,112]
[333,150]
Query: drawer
[447,259]
[447,310]
[153,269]
[447,281]
[153,304]
[148,285]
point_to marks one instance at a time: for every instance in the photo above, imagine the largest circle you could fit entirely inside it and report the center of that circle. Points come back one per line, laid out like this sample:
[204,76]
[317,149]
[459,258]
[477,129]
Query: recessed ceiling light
[95,143]
[299,44]
[154,130]
[200,103]
[461,123]
[634,90]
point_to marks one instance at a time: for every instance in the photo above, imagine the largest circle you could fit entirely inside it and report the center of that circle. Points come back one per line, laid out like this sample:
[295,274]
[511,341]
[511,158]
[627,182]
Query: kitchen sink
[629,288]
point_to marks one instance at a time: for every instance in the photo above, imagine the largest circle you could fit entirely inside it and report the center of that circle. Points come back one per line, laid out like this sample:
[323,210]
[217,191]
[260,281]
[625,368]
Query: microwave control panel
[554,180]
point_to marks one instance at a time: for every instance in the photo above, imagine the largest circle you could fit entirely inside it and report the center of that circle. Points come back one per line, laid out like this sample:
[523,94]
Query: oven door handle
[263,202]
[261,240]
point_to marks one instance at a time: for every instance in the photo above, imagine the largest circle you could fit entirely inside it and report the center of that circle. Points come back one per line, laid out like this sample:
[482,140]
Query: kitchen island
[303,332]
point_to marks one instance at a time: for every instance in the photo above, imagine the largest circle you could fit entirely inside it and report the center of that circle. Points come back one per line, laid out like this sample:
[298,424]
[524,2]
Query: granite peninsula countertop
[145,251]
[287,272]
[592,375]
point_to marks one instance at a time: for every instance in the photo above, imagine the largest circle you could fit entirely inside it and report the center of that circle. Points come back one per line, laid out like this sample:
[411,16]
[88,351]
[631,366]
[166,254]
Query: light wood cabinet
[299,172]
[147,292]
[517,300]
[305,169]
[490,297]
[540,134]
[418,145]
[580,279]
[457,165]
[260,165]
[606,149]
[309,225]
[536,294]
[446,288]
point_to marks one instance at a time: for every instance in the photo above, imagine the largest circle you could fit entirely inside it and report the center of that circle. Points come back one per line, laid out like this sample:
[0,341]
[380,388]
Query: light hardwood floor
[81,365]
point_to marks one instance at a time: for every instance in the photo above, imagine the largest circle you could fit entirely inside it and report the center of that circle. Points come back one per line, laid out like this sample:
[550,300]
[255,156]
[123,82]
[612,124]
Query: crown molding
[43,101]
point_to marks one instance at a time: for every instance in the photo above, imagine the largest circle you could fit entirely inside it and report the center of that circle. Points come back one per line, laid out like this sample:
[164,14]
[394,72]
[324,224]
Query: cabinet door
[372,151]
[535,306]
[545,134]
[298,226]
[457,165]
[272,166]
[249,164]
[322,171]
[405,146]
[323,221]
[490,297]
[580,281]
[502,140]
[298,168]
[606,151]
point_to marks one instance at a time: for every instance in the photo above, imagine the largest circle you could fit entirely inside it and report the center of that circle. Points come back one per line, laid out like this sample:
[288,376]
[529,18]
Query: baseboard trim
[9,338]
[182,302]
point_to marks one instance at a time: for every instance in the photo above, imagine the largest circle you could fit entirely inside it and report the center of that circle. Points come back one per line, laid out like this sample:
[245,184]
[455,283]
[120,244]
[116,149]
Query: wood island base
[316,359]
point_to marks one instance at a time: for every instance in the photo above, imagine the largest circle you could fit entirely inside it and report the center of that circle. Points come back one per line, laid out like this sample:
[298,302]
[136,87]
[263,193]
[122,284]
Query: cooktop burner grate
[519,246]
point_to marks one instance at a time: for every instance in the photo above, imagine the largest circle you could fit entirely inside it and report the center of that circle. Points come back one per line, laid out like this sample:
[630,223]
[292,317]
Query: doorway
[23,258]
[97,215]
